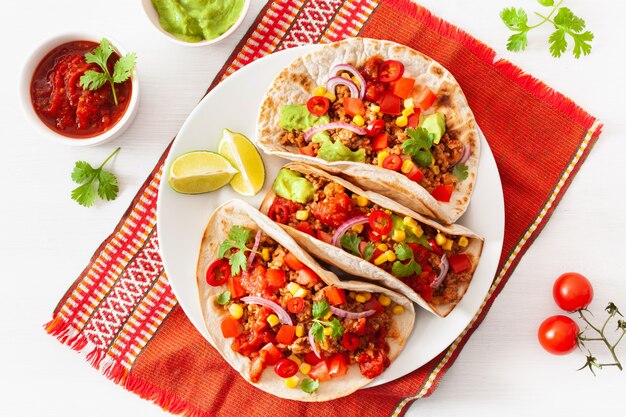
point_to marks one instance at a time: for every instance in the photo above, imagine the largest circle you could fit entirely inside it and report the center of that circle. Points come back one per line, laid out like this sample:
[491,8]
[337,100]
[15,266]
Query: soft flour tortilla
[364,269]
[236,212]
[295,85]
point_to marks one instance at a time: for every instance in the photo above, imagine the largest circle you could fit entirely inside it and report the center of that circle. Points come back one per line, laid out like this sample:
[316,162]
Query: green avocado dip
[197,20]
[293,186]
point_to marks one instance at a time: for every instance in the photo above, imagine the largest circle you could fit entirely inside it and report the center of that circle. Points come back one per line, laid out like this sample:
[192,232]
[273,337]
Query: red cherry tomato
[350,341]
[572,291]
[557,334]
[380,222]
[392,162]
[318,105]
[295,305]
[218,273]
[390,71]
[375,128]
[285,368]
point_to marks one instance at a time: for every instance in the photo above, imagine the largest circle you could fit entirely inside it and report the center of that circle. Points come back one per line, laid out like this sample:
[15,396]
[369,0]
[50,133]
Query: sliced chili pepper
[435,246]
[375,128]
[295,305]
[218,273]
[392,162]
[390,71]
[380,222]
[318,105]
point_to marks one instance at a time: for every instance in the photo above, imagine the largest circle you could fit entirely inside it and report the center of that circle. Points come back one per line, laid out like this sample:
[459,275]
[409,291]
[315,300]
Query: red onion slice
[308,135]
[443,266]
[283,316]
[255,247]
[313,345]
[349,314]
[333,82]
[466,154]
[341,230]
[355,73]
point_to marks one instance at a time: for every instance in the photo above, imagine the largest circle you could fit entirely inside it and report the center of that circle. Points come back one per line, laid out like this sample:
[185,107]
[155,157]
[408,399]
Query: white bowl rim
[33,61]
[157,26]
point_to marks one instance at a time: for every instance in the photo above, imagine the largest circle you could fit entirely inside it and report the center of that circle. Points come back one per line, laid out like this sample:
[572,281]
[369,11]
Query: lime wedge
[244,156]
[199,172]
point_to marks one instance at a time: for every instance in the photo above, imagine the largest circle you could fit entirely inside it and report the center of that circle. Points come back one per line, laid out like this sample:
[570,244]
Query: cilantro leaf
[83,173]
[100,55]
[418,146]
[402,270]
[546,3]
[237,262]
[237,238]
[581,43]
[558,44]
[123,68]
[317,330]
[404,252]
[567,19]
[368,251]
[223,298]
[517,42]
[320,309]
[309,385]
[350,241]
[460,171]
[92,80]
[107,186]
[515,19]
[85,195]
[336,327]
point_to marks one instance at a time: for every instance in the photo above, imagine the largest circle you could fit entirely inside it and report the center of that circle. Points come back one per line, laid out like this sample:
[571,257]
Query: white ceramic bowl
[27,74]
[153,17]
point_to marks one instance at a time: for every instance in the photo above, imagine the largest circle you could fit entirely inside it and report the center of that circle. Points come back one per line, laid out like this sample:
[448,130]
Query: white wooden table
[46,239]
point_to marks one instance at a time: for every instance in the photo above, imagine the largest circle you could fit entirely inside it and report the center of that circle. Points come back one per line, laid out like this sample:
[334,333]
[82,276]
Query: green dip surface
[197,20]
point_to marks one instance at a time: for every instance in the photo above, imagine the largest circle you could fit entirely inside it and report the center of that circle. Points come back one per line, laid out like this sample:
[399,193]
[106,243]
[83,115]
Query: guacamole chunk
[297,117]
[436,125]
[293,186]
[197,20]
[337,151]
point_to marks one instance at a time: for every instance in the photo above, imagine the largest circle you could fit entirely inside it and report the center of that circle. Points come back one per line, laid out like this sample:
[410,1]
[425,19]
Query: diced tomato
[380,142]
[307,277]
[425,291]
[415,174]
[353,106]
[392,162]
[390,104]
[305,227]
[443,192]
[271,353]
[460,263]
[286,368]
[293,262]
[218,272]
[295,305]
[335,296]
[414,119]
[307,150]
[276,278]
[373,304]
[435,247]
[231,327]
[334,211]
[257,365]
[425,98]
[312,359]
[350,341]
[359,328]
[404,87]
[234,286]
[337,365]
[374,91]
[324,237]
[420,253]
[372,366]
[319,372]
[380,222]
[375,128]
[286,334]
[390,70]
[370,68]
[372,235]
[318,105]
[254,281]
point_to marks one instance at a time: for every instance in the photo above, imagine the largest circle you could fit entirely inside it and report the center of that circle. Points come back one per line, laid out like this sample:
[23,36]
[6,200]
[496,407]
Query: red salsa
[63,105]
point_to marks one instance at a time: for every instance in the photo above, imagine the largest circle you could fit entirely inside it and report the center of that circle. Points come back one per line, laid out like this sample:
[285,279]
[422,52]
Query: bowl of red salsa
[61,108]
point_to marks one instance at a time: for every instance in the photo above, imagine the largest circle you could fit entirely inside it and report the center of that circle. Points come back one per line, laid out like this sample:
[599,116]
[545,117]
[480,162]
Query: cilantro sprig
[237,238]
[460,171]
[566,24]
[122,69]
[418,146]
[83,173]
[309,385]
[351,242]
[319,310]
[402,270]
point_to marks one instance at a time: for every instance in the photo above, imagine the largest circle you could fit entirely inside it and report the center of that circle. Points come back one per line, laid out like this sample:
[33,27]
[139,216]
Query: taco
[390,118]
[373,237]
[287,325]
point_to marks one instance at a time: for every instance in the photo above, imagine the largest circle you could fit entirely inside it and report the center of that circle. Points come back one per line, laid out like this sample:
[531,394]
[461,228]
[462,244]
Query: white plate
[181,219]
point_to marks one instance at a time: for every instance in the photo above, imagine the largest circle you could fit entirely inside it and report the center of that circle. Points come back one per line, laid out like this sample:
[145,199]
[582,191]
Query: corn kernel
[356,81]
[346,76]
[292,382]
[402,121]
[319,91]
[305,368]
[389,212]
[357,229]
[295,359]
[382,247]
[391,255]
[358,120]
[435,169]
[299,330]
[328,315]
[417,231]
[300,293]
[381,157]
[407,166]
[273,320]
[448,245]
[408,103]
[375,108]
[384,300]
[236,311]
[328,331]
[463,242]
[398,309]
[330,96]
[302,215]
[407,112]
[398,235]
[383,237]
[367,295]
[360,298]
[360,200]
[440,239]
[292,287]
[382,258]
[265,254]
[409,221]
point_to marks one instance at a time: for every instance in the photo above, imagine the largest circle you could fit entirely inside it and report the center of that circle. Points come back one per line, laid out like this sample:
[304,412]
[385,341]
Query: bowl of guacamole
[196,22]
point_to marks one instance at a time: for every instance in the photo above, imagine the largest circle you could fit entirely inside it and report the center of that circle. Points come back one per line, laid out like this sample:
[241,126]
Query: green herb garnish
[460,171]
[83,173]
[122,69]
[418,146]
[351,242]
[237,238]
[402,270]
[223,298]
[565,23]
[319,310]
[309,385]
